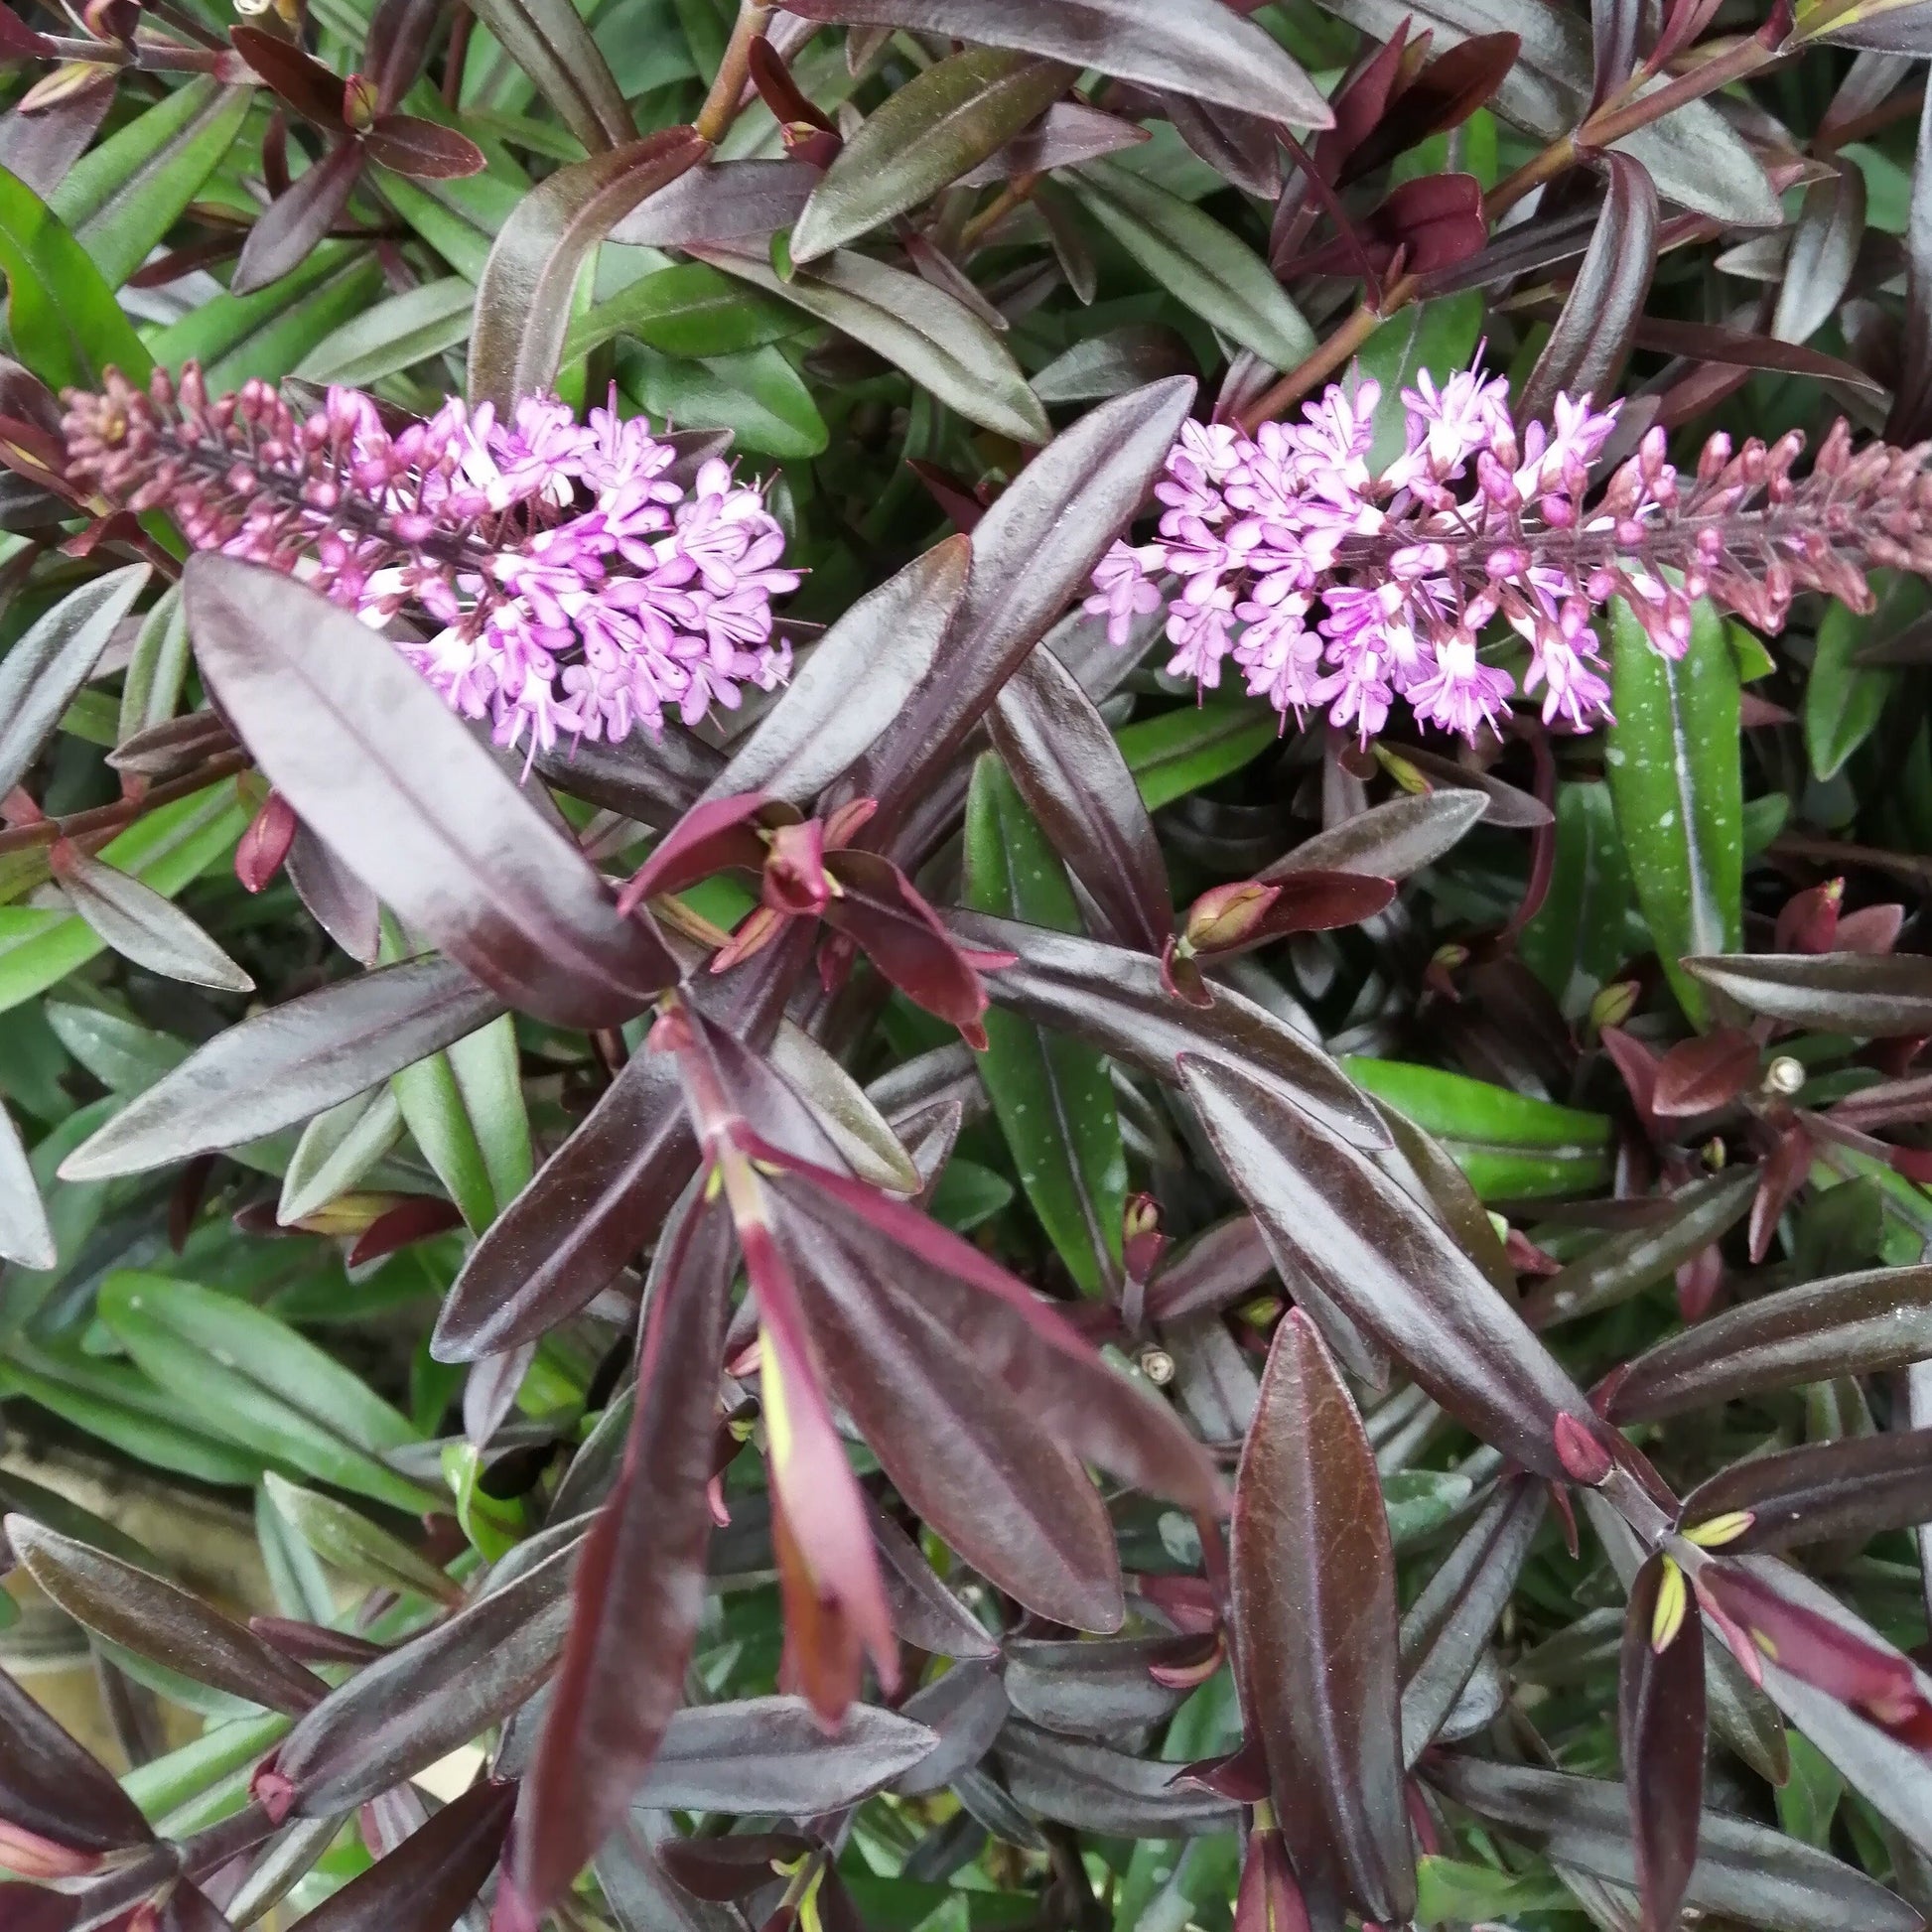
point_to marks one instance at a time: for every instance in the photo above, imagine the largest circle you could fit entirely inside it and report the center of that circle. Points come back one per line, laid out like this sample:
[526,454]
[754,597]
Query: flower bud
[1226,915]
[359,105]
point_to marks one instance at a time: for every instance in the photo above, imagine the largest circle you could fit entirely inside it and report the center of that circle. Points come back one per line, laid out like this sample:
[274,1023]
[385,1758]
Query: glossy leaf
[1190,46]
[1313,1612]
[432,822]
[1846,1490]
[51,1786]
[143,926]
[724,200]
[925,135]
[1388,841]
[524,300]
[1386,1264]
[294,224]
[1673,772]
[1876,994]
[1052,1094]
[1096,1789]
[67,325]
[549,41]
[1845,699]
[1660,1729]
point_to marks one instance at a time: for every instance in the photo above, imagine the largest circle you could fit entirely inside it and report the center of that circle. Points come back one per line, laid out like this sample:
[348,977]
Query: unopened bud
[1613,1004]
[1409,777]
[795,881]
[1583,1457]
[1719,1530]
[1714,1154]
[358,103]
[1227,915]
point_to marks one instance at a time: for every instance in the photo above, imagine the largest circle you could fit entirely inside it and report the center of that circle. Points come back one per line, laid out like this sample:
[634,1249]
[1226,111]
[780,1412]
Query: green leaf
[1197,261]
[1455,1892]
[266,333]
[1184,750]
[1510,1146]
[338,1149]
[394,336]
[172,844]
[67,325]
[170,1781]
[932,336]
[1582,934]
[756,396]
[465,1108]
[1808,1800]
[1677,781]
[151,687]
[1053,1095]
[1420,1501]
[1439,336]
[968,1194]
[257,1382]
[361,1549]
[688,309]
[122,198]
[460,220]
[938,126]
[1844,699]
[121,1054]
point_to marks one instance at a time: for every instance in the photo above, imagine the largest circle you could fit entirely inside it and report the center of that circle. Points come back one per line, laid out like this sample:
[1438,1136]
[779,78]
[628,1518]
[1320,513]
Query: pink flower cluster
[573,585]
[1339,590]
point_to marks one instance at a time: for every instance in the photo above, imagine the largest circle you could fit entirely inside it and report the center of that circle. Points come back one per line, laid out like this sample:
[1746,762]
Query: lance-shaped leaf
[25,1236]
[1033,553]
[1846,1490]
[40,675]
[158,1619]
[1068,768]
[974,1461]
[428,1695]
[1698,1076]
[142,924]
[1115,1000]
[1190,46]
[346,1539]
[1008,1331]
[1660,1729]
[852,684]
[1879,994]
[1095,1789]
[923,136]
[297,222]
[724,200]
[1622,1265]
[524,300]
[966,1710]
[1744,1870]
[1590,339]
[1851,1324]
[1313,1612]
[1388,841]
[53,1788]
[287,1063]
[1445,1630]
[773,1755]
[1068,133]
[1388,1266]
[599,1200]
[67,325]
[551,41]
[932,336]
[429,1879]
[370,757]
[639,1587]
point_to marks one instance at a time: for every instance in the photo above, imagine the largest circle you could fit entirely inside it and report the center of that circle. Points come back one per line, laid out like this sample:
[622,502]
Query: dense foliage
[977,942]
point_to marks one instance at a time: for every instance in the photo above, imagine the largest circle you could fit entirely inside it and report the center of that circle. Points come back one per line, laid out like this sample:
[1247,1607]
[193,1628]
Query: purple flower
[571,586]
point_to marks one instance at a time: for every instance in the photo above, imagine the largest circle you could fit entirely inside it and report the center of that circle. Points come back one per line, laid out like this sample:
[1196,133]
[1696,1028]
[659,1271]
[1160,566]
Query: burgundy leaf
[1387,1265]
[1313,1611]
[1095,1789]
[1849,1324]
[1698,1076]
[401,1226]
[1268,1899]
[266,844]
[54,1790]
[1846,1490]
[1241,147]
[715,835]
[159,1619]
[142,924]
[965,1710]
[1660,1729]
[313,88]
[723,200]
[1739,347]
[292,1062]
[425,149]
[655,783]
[1434,221]
[1448,90]
[1220,1266]
[397,42]
[370,757]
[1884,996]
[1068,768]
[1614,44]
[294,224]
[639,1587]
[1068,133]
[926,1613]
[1388,841]
[39,148]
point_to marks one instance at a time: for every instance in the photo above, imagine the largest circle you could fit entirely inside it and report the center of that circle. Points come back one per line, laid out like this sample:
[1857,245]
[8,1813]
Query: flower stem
[1326,361]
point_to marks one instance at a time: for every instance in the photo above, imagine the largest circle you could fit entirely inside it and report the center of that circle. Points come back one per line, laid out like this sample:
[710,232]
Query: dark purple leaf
[1110,365]
[1660,1729]
[1032,552]
[1849,1324]
[1388,1266]
[926,1613]
[1700,342]
[371,758]
[1191,46]
[1388,841]
[551,41]
[25,1235]
[428,1695]
[1743,1870]
[1220,1266]
[1847,1491]
[1446,1629]
[426,1882]
[1510,807]
[1891,27]
[1068,133]
[396,46]
[310,86]
[1613,26]
[1090,1690]
[1434,221]
[142,924]
[1097,1790]
[39,148]
[773,1756]
[1448,90]
[1698,1076]
[1911,410]
[639,1587]
[1071,771]
[1241,147]
[965,1710]
[600,1198]
[1592,337]
[281,1067]
[1622,1265]
[1114,999]
[724,200]
[1824,251]
[425,149]
[1312,1609]
[53,1788]
[1524,248]
[161,1620]
[524,300]
[294,224]
[655,783]
[1881,995]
